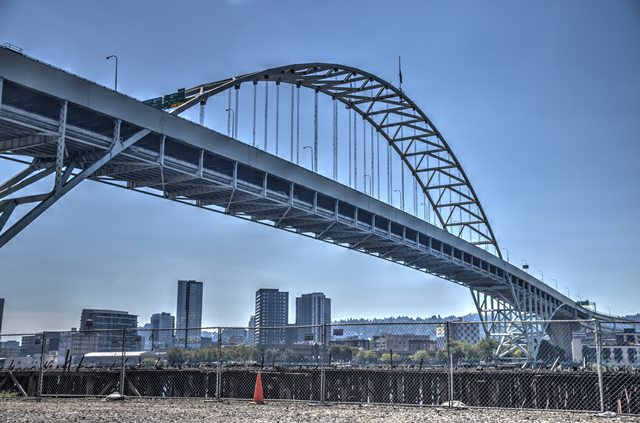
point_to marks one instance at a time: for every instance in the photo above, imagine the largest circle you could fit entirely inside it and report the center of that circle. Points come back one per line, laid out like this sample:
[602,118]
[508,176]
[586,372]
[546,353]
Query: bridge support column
[37,170]
[560,334]
[517,332]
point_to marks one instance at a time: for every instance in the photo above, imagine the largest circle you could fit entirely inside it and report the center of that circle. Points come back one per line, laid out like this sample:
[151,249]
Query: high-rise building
[162,325]
[189,314]
[313,309]
[252,328]
[271,318]
[1,312]
[108,325]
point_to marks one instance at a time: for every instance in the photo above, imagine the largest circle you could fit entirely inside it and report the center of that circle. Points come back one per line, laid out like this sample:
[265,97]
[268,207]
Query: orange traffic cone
[258,397]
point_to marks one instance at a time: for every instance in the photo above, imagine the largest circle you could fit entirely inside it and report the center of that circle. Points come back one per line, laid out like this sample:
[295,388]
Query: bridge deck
[182,161]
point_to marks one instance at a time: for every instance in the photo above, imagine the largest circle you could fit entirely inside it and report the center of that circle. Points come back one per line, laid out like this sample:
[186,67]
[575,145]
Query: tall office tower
[162,325]
[108,326]
[272,309]
[189,314]
[252,328]
[1,312]
[313,309]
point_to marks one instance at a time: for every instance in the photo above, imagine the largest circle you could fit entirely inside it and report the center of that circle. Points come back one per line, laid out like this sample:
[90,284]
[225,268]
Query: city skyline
[312,308]
[509,106]
[303,309]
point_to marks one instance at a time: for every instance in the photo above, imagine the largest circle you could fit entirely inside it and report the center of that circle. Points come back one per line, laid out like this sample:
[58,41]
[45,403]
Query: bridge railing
[578,365]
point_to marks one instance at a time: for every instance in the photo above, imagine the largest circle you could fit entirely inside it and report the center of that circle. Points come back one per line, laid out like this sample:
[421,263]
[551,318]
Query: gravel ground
[175,410]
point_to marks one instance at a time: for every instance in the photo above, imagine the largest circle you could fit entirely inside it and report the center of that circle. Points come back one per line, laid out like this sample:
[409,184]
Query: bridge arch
[406,128]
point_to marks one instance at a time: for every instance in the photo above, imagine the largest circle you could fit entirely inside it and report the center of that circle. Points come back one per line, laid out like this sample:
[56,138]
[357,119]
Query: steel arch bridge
[406,128]
[68,129]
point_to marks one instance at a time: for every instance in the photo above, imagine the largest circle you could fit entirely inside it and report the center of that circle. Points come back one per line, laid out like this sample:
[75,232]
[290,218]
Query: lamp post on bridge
[312,156]
[556,283]
[115,57]
[370,184]
[507,251]
[426,218]
[233,121]
[541,275]
[401,198]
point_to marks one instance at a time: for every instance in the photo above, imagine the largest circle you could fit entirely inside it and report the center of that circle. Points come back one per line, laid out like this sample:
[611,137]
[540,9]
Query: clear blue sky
[539,100]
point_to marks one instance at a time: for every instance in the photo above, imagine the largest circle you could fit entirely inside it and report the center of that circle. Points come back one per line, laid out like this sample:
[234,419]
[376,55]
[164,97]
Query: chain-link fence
[557,365]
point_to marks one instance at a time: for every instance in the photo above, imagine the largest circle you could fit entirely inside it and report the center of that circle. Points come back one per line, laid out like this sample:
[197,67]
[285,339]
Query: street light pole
[401,199]
[370,184]
[425,212]
[541,275]
[233,121]
[312,155]
[115,57]
[506,251]
[556,283]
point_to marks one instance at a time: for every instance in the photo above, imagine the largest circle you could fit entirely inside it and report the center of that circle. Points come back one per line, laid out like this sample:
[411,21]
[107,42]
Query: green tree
[366,357]
[463,351]
[240,353]
[175,355]
[386,358]
[341,353]
[423,355]
[487,349]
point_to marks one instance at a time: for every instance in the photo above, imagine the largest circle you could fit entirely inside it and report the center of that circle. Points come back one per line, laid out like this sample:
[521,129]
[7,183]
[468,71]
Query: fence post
[122,375]
[323,383]
[599,364]
[41,371]
[450,357]
[219,367]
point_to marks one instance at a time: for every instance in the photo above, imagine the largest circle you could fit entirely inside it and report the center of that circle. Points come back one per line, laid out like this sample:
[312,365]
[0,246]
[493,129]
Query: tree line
[461,353]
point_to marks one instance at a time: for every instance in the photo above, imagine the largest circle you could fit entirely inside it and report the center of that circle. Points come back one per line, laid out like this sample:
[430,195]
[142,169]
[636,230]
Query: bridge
[66,129]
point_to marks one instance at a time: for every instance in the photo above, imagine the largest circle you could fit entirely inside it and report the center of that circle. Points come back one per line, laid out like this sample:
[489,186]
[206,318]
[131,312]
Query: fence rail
[579,365]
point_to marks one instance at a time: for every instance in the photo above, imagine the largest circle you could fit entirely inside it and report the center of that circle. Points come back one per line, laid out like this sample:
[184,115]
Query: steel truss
[136,158]
[404,126]
[62,164]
